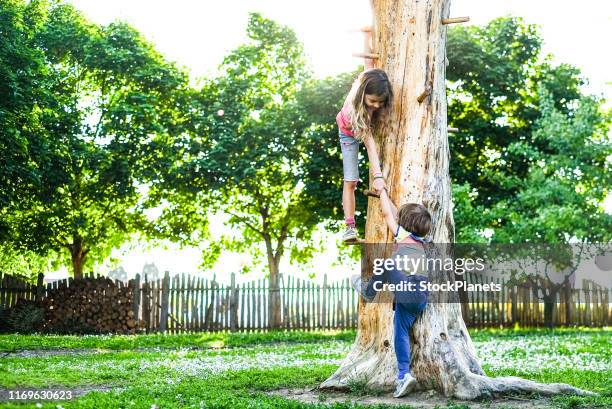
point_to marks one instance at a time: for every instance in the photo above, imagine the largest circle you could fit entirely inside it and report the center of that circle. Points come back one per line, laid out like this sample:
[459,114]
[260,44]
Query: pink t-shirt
[344,121]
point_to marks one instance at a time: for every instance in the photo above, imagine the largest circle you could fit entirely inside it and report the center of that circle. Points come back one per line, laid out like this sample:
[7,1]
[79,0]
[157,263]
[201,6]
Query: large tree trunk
[410,40]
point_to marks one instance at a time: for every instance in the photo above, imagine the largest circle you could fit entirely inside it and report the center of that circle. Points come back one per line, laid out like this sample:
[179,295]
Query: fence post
[324,304]
[3,290]
[606,305]
[513,303]
[165,293]
[136,297]
[208,318]
[40,289]
[233,304]
[587,301]
[569,304]
[146,307]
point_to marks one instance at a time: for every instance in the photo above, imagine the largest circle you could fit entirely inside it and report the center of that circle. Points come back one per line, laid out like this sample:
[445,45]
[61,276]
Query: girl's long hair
[370,82]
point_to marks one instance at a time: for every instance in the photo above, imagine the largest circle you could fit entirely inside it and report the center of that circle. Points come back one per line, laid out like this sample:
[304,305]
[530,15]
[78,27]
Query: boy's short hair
[415,218]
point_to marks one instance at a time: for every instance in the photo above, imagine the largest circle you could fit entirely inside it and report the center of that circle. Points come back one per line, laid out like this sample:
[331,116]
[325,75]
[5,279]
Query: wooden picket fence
[523,305]
[187,303]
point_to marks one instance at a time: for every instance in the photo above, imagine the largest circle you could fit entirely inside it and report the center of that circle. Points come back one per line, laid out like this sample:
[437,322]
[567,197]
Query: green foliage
[530,156]
[568,177]
[24,263]
[108,106]
[23,86]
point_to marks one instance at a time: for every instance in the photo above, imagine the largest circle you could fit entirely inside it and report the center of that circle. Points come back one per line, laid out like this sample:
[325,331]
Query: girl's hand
[379,184]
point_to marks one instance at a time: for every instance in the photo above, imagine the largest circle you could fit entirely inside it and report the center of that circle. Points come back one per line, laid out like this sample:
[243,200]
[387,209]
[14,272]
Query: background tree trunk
[78,254]
[274,300]
[411,43]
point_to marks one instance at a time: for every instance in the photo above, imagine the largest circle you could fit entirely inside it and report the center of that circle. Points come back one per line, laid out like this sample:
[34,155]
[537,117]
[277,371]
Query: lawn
[237,370]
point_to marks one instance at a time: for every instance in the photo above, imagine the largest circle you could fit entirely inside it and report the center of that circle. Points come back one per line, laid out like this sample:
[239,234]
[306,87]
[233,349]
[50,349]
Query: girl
[368,100]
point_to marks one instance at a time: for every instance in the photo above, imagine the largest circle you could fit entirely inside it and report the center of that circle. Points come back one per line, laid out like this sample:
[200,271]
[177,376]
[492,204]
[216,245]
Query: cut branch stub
[371,56]
[426,92]
[455,20]
[354,242]
[371,193]
[452,130]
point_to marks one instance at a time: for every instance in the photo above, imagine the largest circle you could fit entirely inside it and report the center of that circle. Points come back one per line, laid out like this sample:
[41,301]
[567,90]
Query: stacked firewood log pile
[91,305]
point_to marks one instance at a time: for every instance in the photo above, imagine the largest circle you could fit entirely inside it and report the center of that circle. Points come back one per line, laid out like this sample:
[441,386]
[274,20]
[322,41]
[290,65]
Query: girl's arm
[389,211]
[379,182]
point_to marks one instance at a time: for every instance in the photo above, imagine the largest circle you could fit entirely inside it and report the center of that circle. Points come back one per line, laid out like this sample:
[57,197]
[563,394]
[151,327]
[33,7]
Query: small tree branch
[246,223]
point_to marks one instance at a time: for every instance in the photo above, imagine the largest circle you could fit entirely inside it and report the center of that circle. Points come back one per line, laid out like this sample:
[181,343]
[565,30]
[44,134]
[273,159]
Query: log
[426,92]
[371,193]
[94,305]
[443,355]
[354,242]
[371,56]
[455,20]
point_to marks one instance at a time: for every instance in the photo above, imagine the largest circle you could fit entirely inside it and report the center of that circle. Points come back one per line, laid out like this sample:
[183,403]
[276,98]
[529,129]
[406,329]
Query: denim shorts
[350,157]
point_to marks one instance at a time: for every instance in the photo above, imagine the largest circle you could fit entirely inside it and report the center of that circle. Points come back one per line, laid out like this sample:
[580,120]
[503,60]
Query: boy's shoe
[404,386]
[350,234]
[356,282]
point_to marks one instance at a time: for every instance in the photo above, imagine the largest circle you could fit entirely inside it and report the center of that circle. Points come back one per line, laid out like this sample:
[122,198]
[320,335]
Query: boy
[410,225]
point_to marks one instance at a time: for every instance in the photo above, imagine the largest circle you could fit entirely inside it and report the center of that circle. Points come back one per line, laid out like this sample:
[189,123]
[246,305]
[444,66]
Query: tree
[25,94]
[560,198]
[246,158]
[495,77]
[115,104]
[444,357]
[27,264]
[566,181]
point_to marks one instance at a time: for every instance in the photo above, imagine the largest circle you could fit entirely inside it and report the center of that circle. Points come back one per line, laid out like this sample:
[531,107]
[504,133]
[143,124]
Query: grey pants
[350,157]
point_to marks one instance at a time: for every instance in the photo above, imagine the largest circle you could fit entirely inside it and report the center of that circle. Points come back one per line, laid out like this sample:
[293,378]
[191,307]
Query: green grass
[506,333]
[192,371]
[15,342]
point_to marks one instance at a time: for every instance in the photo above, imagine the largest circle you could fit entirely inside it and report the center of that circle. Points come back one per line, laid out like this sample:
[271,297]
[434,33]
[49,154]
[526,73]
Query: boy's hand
[379,184]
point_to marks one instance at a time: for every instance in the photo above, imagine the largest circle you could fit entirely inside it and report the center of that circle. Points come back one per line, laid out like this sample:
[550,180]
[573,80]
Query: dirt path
[43,353]
[420,400]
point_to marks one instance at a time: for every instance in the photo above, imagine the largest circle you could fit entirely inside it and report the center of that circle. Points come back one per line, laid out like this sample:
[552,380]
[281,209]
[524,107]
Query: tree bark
[274,301]
[78,254]
[410,40]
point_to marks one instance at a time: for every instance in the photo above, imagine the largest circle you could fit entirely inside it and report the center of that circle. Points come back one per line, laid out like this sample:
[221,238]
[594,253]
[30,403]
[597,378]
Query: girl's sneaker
[404,386]
[350,234]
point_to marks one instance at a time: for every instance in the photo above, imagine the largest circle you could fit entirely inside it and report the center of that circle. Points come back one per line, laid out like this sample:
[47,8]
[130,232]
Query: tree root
[364,365]
[477,387]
